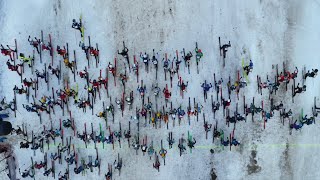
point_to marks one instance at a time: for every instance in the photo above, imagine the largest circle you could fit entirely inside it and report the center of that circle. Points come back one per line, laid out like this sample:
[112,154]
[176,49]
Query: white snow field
[271,31]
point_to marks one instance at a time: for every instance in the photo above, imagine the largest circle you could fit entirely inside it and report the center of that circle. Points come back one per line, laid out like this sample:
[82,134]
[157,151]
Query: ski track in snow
[271,32]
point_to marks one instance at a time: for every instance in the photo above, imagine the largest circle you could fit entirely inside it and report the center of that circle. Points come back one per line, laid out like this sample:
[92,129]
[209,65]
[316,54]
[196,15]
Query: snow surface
[271,31]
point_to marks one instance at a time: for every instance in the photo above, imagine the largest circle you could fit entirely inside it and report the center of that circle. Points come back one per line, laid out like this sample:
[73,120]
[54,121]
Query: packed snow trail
[270,32]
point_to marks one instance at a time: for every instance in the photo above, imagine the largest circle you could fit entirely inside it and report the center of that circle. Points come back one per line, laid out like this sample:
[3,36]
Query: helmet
[199,50]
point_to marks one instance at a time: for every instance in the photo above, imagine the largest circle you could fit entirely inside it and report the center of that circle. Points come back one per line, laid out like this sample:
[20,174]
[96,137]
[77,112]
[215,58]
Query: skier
[241,83]
[96,163]
[111,69]
[124,52]
[156,165]
[173,113]
[312,74]
[118,165]
[286,114]
[155,60]
[277,107]
[206,87]
[84,48]
[292,75]
[70,65]
[181,147]
[251,65]
[226,103]
[187,58]
[76,25]
[24,145]
[215,106]
[145,58]
[177,64]
[30,109]
[46,47]
[199,54]
[163,153]
[7,52]
[42,76]
[62,52]
[40,165]
[14,67]
[239,117]
[273,87]
[207,127]
[296,126]
[218,84]
[67,123]
[231,119]
[166,64]
[84,103]
[180,112]
[155,89]
[191,143]
[197,109]
[78,170]
[46,101]
[255,109]
[26,173]
[94,52]
[150,149]
[110,109]
[225,143]
[82,136]
[224,49]
[144,148]
[25,59]
[108,175]
[148,107]
[247,69]
[54,71]
[135,67]
[182,86]
[298,89]
[141,90]
[64,176]
[119,103]
[101,114]
[306,120]
[281,77]
[10,105]
[123,78]
[166,93]
[35,43]
[234,142]
[83,74]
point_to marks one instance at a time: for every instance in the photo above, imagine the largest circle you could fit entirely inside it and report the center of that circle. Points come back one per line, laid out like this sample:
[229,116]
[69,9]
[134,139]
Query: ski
[115,71]
[74,66]
[197,62]
[51,49]
[40,52]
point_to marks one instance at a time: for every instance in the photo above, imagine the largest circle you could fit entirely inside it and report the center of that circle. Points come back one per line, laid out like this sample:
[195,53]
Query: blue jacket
[206,87]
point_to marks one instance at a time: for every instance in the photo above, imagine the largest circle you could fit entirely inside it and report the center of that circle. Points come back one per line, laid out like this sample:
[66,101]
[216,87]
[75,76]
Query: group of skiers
[149,110]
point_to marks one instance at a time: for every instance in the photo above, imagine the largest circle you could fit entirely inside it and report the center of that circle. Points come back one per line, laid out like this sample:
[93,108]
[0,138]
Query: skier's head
[199,50]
